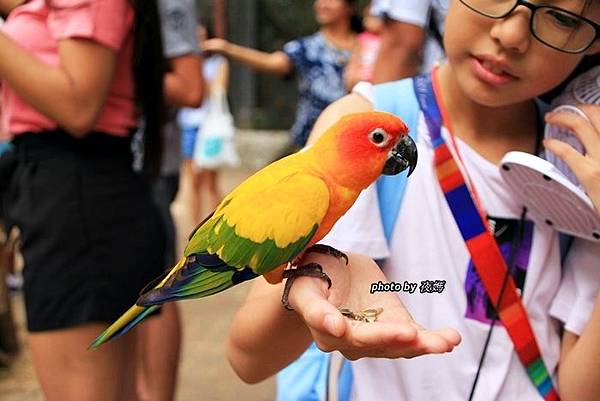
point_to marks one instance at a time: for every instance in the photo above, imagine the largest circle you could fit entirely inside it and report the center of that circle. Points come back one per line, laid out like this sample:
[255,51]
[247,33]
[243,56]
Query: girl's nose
[512,32]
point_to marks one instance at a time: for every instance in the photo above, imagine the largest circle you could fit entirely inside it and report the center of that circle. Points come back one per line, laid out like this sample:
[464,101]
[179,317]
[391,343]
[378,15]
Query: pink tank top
[39,25]
[369,44]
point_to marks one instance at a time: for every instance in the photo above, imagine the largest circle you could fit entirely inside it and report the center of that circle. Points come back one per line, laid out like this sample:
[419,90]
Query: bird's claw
[309,270]
[327,250]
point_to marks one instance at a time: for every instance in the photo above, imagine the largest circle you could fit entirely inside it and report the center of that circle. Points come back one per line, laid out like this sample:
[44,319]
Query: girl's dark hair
[208,25]
[355,19]
[149,67]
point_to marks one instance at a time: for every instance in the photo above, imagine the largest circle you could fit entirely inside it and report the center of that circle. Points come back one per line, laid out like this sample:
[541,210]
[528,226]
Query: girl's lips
[491,73]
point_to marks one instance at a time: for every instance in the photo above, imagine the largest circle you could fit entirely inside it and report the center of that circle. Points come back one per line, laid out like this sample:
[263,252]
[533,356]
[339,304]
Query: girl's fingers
[368,339]
[585,168]
[592,111]
[388,340]
[425,342]
[581,127]
[380,334]
[309,298]
[575,160]
[443,340]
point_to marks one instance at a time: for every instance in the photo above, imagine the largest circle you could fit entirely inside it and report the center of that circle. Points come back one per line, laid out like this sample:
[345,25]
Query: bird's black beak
[401,157]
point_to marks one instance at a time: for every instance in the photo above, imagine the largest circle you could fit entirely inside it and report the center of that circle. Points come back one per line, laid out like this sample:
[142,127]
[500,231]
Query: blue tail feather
[202,275]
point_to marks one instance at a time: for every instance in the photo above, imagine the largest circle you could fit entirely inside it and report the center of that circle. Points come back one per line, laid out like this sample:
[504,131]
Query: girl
[199,180]
[318,60]
[73,72]
[362,63]
[501,56]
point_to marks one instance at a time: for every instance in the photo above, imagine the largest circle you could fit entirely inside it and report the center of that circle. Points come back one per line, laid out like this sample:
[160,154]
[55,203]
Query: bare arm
[222,77]
[184,85]
[579,370]
[264,338]
[352,70]
[72,93]
[352,103]
[400,54]
[578,375]
[277,63]
[6,6]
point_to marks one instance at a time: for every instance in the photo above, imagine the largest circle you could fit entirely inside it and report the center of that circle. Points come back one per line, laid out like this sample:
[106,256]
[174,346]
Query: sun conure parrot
[279,213]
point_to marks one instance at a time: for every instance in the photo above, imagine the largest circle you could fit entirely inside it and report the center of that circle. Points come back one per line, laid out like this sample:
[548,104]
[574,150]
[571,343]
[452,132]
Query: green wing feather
[264,227]
[263,224]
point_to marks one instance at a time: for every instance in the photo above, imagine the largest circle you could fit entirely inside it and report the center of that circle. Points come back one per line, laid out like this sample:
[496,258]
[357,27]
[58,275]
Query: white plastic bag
[215,141]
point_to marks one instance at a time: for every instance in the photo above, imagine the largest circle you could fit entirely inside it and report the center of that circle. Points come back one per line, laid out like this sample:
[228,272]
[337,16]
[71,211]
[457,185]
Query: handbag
[215,139]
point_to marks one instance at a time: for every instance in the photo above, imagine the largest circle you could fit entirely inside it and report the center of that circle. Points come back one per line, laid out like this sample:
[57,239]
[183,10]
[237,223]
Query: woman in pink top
[91,237]
[362,63]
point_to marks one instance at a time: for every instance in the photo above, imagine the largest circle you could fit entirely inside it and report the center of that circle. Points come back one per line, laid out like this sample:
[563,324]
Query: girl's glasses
[555,27]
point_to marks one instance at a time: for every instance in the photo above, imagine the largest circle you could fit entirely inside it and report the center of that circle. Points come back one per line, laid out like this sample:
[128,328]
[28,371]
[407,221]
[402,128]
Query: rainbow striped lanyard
[487,258]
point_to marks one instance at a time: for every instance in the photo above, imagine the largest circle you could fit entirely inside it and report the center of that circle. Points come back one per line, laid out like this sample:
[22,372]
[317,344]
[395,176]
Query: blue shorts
[4,146]
[188,141]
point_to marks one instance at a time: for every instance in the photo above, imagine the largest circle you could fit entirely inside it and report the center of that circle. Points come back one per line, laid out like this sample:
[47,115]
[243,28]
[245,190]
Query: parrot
[272,219]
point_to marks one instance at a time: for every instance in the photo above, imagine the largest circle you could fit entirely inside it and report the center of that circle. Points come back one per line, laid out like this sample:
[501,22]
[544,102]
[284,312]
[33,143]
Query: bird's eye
[379,137]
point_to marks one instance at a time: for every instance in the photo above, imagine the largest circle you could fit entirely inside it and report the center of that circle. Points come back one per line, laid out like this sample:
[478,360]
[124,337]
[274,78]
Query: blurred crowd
[105,111]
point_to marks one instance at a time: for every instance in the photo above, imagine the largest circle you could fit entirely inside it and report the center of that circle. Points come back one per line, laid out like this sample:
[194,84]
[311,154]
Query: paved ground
[205,374]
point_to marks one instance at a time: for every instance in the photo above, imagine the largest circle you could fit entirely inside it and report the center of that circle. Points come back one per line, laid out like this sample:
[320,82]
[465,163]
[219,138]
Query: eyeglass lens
[558,28]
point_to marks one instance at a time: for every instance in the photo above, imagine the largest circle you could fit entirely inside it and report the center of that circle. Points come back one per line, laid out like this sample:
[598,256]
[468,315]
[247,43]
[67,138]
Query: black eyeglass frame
[534,8]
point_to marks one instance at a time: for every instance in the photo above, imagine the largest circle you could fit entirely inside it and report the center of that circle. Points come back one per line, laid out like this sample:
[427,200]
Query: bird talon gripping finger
[327,250]
[278,214]
[308,270]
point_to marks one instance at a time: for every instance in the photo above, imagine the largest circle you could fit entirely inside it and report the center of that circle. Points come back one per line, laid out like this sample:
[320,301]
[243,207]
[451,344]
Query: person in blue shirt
[318,60]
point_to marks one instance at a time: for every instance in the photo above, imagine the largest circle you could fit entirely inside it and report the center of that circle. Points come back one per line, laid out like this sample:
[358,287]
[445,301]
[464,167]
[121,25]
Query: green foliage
[285,19]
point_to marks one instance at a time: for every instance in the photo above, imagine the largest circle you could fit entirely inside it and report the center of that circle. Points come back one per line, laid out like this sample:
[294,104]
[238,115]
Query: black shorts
[90,235]
[8,162]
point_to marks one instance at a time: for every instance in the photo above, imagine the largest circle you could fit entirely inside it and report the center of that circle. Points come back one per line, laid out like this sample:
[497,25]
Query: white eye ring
[379,137]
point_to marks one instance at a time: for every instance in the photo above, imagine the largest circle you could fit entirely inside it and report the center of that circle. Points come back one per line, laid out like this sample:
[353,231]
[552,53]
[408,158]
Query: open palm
[394,335]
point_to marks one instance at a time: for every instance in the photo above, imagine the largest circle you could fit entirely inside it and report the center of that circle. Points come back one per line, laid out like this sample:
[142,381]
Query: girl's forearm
[6,6]
[264,337]
[272,63]
[222,77]
[184,85]
[72,93]
[579,372]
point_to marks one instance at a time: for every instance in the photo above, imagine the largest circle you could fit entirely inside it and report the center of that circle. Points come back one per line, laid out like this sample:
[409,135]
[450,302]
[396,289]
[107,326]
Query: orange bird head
[362,146]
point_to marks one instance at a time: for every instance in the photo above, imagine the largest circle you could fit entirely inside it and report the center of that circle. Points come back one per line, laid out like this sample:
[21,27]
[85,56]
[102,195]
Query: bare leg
[160,340]
[190,178]
[209,178]
[68,371]
[8,334]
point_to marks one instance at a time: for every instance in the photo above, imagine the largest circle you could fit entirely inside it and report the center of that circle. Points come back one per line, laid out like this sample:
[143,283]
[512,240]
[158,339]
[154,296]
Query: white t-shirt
[426,245]
[417,12]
